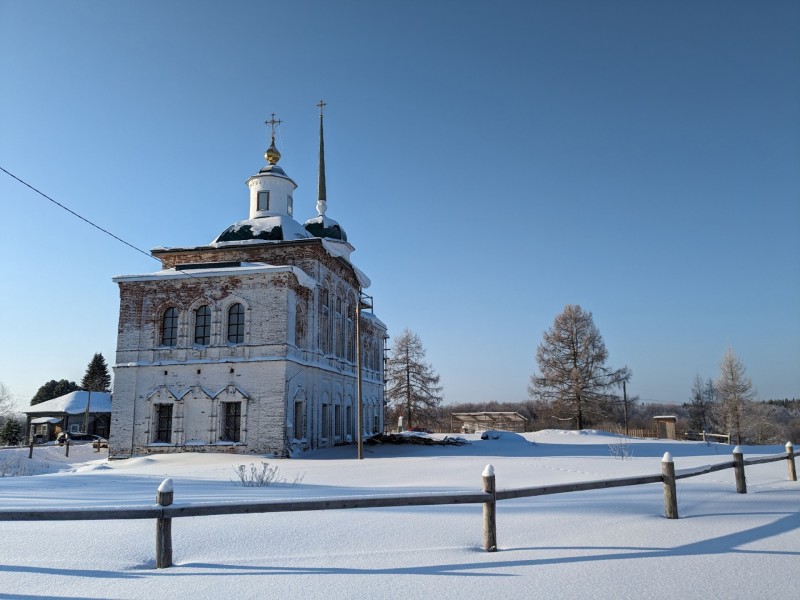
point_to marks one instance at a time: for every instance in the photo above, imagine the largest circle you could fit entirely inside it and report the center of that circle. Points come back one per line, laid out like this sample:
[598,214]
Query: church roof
[272,228]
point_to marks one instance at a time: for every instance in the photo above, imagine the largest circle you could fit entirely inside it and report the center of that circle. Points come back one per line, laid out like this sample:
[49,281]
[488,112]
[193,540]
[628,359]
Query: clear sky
[490,162]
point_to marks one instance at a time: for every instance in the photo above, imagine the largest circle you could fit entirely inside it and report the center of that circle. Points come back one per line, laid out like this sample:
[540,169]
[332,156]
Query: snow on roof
[270,228]
[369,316]
[74,403]
[343,250]
[302,277]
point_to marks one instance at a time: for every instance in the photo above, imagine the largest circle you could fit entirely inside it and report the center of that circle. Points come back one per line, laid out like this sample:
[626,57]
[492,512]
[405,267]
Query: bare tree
[572,364]
[735,393]
[412,386]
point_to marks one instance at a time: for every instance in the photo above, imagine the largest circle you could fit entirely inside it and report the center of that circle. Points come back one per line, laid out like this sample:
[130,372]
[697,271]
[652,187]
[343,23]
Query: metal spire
[321,192]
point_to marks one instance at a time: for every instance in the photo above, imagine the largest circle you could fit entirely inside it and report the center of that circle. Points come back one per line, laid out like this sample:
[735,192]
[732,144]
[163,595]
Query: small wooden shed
[665,426]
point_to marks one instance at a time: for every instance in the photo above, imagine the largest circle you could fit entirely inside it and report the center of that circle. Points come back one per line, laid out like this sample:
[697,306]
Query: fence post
[670,490]
[738,467]
[164,527]
[790,461]
[67,445]
[489,511]
[30,452]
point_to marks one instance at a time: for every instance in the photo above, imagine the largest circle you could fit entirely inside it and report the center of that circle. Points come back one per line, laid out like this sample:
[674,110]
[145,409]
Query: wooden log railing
[163,511]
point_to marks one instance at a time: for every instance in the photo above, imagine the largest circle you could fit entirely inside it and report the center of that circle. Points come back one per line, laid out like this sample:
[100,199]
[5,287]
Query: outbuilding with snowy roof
[76,412]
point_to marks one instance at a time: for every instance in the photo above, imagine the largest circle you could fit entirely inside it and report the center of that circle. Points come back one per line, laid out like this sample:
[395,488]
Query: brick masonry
[292,396]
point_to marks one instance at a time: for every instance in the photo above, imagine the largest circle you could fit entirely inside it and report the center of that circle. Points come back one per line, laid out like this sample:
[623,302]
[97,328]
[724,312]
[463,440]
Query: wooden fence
[163,511]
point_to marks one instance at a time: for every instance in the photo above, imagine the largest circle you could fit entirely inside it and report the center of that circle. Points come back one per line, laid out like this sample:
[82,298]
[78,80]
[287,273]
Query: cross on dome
[272,155]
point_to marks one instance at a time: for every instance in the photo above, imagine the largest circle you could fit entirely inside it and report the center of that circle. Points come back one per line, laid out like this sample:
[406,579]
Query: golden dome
[272,155]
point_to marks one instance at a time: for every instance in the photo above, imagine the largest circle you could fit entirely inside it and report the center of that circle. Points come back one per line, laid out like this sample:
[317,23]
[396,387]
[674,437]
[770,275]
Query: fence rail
[163,511]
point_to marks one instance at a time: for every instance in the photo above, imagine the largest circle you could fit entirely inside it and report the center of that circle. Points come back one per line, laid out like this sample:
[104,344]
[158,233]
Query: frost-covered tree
[54,389]
[412,386]
[701,404]
[573,375]
[97,377]
[6,400]
[735,393]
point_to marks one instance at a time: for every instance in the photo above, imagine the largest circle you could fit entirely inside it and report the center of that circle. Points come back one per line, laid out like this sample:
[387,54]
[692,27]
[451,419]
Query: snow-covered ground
[600,544]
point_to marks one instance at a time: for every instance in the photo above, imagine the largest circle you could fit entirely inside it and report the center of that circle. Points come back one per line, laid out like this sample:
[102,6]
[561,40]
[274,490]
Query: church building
[249,344]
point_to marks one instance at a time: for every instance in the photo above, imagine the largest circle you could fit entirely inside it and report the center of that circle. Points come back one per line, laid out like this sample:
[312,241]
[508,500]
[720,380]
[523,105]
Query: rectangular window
[299,420]
[231,421]
[326,426]
[349,424]
[263,200]
[163,423]
[337,416]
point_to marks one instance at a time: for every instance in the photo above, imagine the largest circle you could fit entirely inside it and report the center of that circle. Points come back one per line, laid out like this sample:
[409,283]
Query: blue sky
[490,163]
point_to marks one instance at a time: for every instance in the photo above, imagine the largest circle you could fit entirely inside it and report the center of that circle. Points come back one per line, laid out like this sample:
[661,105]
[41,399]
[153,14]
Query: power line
[72,212]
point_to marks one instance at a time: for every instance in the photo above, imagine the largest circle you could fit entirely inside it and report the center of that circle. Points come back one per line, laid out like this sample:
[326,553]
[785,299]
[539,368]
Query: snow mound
[505,436]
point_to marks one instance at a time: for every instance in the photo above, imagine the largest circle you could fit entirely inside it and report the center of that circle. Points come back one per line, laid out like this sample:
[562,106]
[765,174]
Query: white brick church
[248,344]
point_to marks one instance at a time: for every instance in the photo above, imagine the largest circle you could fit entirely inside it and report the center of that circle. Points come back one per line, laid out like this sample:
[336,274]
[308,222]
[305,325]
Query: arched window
[338,326]
[236,324]
[169,327]
[349,333]
[202,326]
[324,330]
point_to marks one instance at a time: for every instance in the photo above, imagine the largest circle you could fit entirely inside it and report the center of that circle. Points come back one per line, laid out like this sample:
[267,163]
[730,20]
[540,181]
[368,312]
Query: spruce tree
[11,432]
[97,377]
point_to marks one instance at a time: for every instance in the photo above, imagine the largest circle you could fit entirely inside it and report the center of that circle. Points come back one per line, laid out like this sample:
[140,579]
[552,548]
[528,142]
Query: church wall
[309,255]
[197,401]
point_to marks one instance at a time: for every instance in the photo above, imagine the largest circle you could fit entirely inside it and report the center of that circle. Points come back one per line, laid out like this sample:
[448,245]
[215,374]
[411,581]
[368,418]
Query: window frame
[169,327]
[231,430]
[202,330]
[259,204]
[235,329]
[162,433]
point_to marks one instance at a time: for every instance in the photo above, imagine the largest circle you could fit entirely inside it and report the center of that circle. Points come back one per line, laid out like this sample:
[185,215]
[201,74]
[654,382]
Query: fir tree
[97,378]
[11,432]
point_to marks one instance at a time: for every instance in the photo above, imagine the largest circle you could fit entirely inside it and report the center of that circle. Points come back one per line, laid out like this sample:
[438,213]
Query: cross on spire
[321,104]
[272,123]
